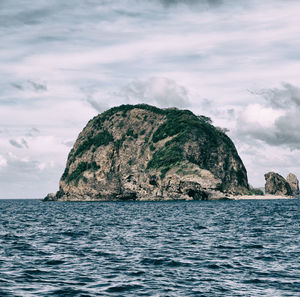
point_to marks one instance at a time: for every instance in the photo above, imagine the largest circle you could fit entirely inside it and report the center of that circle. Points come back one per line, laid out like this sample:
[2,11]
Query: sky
[63,62]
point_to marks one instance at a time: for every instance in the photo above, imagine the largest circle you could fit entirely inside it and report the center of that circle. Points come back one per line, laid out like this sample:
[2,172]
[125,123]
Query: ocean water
[198,248]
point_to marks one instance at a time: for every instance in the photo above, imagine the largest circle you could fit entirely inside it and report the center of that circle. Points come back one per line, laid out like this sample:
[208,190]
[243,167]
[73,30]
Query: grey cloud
[285,98]
[30,85]
[286,131]
[19,179]
[68,143]
[15,143]
[14,13]
[97,105]
[286,128]
[191,2]
[37,86]
[207,104]
[231,112]
[17,86]
[156,90]
[19,144]
[70,43]
[24,143]
[33,132]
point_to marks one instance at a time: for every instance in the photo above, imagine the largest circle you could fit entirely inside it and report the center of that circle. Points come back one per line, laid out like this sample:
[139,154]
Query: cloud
[287,97]
[19,177]
[30,85]
[97,105]
[65,61]
[24,143]
[17,86]
[191,2]
[21,170]
[19,144]
[38,86]
[260,158]
[277,121]
[33,132]
[68,143]
[156,90]
[3,161]
[15,143]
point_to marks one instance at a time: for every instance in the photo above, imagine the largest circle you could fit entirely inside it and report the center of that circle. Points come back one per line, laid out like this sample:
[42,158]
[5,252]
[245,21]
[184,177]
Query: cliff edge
[140,152]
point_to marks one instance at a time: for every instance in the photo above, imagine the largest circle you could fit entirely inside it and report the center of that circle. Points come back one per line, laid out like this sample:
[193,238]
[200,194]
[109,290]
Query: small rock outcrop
[277,185]
[293,182]
[140,152]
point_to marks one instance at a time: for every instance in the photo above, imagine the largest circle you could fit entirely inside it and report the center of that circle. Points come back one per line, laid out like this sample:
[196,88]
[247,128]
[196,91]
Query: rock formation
[140,152]
[277,185]
[293,182]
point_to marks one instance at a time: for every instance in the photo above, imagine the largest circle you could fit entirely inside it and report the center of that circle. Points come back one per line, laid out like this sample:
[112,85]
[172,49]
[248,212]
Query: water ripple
[204,248]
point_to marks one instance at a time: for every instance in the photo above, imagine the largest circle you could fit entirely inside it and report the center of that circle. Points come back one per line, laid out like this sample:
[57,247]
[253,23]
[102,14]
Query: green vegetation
[256,191]
[118,143]
[131,133]
[185,169]
[130,162]
[102,138]
[65,174]
[98,121]
[166,157]
[178,121]
[183,125]
[77,173]
[121,125]
[205,119]
[152,147]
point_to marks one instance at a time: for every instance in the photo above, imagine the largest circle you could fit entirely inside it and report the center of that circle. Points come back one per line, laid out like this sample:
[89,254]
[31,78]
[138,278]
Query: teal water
[197,248]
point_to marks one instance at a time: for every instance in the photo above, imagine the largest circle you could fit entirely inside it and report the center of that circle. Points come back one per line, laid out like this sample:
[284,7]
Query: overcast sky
[63,62]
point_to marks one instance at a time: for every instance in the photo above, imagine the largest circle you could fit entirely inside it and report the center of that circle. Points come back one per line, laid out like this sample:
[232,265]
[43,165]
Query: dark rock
[293,182]
[140,152]
[50,197]
[277,185]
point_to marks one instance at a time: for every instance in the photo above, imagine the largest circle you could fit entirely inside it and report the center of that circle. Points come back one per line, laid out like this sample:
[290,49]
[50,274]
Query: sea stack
[293,182]
[140,152]
[277,185]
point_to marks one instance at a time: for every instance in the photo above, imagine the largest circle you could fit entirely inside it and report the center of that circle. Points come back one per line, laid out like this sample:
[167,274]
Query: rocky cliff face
[293,182]
[142,152]
[277,185]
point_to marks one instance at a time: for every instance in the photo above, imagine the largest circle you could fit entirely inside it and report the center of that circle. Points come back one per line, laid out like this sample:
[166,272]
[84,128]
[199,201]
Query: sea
[186,248]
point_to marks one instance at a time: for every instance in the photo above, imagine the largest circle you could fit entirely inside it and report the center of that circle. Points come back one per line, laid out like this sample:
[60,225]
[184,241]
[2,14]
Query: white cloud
[3,161]
[258,114]
[62,62]
[276,121]
[156,90]
[159,91]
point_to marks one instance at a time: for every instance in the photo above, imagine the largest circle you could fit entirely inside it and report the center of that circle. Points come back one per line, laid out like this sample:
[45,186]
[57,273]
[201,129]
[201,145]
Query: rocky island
[140,152]
[277,185]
